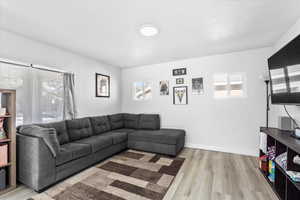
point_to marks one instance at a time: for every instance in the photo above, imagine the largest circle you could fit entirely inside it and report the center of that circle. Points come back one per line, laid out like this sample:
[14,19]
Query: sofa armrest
[35,162]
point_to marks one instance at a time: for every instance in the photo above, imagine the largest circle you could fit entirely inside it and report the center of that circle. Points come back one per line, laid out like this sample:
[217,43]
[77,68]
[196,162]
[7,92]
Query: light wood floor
[205,175]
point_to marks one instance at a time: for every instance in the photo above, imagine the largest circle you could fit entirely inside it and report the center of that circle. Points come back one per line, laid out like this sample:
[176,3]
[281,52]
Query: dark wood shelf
[6,165]
[270,183]
[5,140]
[5,116]
[284,187]
[283,137]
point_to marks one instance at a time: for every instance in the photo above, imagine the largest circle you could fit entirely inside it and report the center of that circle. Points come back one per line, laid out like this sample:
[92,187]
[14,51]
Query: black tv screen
[284,69]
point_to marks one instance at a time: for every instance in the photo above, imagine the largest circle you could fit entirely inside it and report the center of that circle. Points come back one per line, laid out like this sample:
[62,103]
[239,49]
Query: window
[39,93]
[229,85]
[142,91]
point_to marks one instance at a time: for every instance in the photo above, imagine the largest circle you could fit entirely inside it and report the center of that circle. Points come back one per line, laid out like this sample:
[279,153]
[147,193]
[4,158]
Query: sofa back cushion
[61,131]
[149,122]
[100,124]
[116,121]
[131,121]
[79,128]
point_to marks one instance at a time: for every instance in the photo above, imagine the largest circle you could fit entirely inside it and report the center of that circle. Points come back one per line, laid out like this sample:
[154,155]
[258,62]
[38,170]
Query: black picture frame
[98,94]
[186,95]
[179,81]
[179,72]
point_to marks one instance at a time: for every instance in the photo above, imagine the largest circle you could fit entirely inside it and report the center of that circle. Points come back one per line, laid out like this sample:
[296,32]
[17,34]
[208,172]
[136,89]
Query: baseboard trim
[221,149]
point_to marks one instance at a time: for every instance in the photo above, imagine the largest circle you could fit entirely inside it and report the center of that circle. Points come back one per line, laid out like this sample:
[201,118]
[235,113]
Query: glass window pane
[142,91]
[220,85]
[236,85]
[39,93]
[138,91]
[147,90]
[51,96]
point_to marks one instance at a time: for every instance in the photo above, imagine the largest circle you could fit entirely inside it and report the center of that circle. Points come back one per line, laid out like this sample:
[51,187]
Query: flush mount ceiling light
[148,30]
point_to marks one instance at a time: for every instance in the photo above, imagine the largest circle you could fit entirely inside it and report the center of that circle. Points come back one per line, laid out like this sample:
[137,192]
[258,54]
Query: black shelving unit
[284,187]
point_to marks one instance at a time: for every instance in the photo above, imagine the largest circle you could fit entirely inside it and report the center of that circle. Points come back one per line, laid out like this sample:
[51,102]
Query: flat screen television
[284,69]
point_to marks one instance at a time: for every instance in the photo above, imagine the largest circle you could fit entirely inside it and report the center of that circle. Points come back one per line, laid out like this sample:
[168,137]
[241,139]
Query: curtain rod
[32,66]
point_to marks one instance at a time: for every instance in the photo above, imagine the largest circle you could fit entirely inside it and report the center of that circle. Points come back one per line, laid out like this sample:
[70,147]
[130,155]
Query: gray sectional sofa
[48,153]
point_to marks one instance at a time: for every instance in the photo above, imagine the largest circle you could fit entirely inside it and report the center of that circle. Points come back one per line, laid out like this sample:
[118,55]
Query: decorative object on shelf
[3,154]
[296,160]
[281,160]
[263,163]
[102,85]
[295,176]
[197,86]
[180,95]
[2,111]
[179,72]
[164,88]
[297,133]
[2,131]
[179,81]
[263,142]
[271,171]
[271,152]
[2,179]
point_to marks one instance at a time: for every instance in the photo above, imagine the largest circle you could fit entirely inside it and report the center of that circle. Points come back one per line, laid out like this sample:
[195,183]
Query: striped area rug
[130,175]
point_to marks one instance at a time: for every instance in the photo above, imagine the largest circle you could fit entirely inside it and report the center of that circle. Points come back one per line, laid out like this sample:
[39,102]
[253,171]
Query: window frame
[143,90]
[228,85]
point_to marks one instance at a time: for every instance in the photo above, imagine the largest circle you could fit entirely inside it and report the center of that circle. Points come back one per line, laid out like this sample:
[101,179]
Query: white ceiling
[108,30]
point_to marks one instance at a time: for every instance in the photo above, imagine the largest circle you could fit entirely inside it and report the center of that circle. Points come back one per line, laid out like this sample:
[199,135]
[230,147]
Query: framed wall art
[102,85]
[164,88]
[179,72]
[197,86]
[180,95]
[179,81]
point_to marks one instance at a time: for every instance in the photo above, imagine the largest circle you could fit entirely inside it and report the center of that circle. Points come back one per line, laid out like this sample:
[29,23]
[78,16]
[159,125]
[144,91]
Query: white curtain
[69,109]
[39,93]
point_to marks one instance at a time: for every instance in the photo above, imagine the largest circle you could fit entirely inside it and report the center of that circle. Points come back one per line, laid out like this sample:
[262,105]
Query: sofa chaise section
[163,141]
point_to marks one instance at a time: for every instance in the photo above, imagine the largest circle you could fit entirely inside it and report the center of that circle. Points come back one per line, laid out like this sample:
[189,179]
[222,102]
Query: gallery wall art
[180,95]
[164,88]
[102,85]
[179,72]
[179,81]
[197,86]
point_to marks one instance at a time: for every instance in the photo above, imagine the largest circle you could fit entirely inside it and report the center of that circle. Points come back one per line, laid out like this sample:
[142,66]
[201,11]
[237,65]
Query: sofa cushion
[79,128]
[131,121]
[117,137]
[149,122]
[116,121]
[48,135]
[100,124]
[162,136]
[126,130]
[72,151]
[97,142]
[61,130]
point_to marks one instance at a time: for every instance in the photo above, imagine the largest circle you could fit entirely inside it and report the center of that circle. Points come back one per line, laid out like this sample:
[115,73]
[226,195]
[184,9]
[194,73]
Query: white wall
[229,125]
[278,110]
[16,47]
